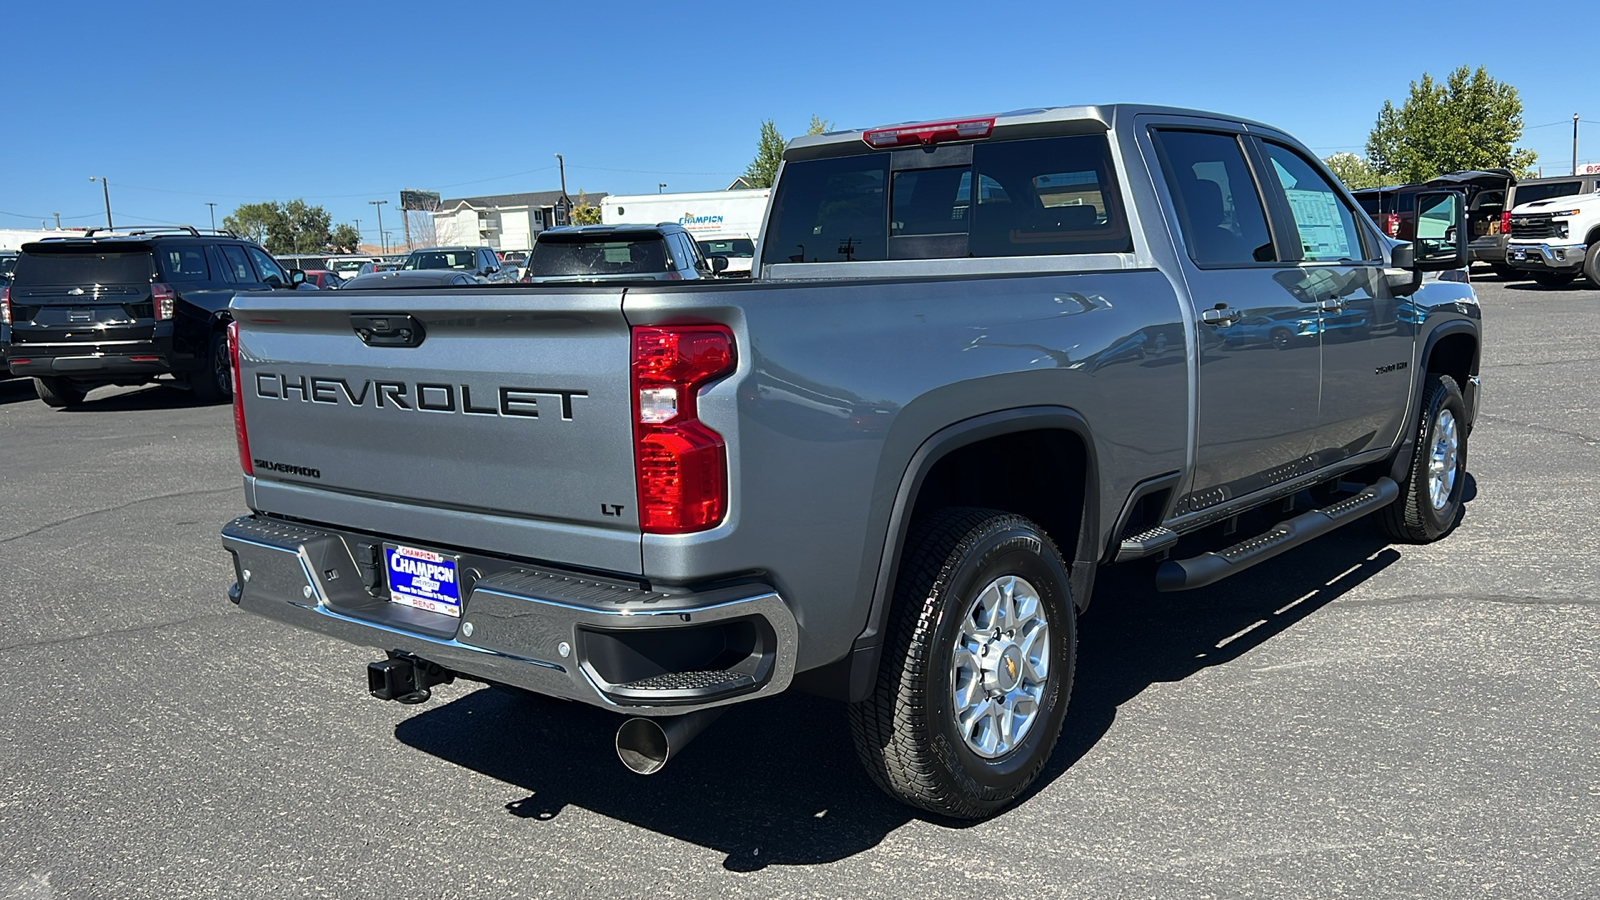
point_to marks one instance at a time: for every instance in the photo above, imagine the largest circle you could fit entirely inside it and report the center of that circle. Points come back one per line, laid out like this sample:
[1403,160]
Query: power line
[93,215]
[651,172]
[137,187]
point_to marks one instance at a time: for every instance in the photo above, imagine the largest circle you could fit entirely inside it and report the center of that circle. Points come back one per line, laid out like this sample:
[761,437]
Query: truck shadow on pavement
[776,782]
[154,397]
[17,390]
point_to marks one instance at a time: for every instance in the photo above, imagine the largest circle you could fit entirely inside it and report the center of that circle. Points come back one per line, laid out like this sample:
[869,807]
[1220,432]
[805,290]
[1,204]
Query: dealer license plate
[423,579]
[1519,254]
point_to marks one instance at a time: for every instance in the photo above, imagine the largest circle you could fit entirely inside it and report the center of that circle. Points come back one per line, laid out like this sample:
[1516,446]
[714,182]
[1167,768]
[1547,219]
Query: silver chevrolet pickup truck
[981,358]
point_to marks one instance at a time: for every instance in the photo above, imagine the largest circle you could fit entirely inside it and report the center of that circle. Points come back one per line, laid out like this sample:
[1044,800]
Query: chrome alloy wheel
[1000,666]
[1443,458]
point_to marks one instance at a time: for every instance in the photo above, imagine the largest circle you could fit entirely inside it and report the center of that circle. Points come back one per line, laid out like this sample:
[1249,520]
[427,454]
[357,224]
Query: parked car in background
[131,308]
[617,253]
[8,261]
[409,279]
[384,266]
[480,262]
[1394,209]
[348,267]
[740,252]
[1556,240]
[323,279]
[517,260]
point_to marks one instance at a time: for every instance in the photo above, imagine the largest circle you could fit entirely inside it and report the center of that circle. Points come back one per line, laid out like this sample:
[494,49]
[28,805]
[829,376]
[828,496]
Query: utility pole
[358,236]
[383,244]
[58,220]
[105,188]
[661,187]
[213,214]
[1574,143]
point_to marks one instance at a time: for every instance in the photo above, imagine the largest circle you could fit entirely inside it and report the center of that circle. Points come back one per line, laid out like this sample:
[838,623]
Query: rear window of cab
[1045,196]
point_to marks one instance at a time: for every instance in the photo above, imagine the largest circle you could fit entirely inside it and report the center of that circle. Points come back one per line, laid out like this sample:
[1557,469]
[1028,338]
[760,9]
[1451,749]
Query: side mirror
[1440,243]
[297,277]
[719,264]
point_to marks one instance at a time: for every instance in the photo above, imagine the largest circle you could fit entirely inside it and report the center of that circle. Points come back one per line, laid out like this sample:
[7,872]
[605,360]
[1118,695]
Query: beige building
[501,221]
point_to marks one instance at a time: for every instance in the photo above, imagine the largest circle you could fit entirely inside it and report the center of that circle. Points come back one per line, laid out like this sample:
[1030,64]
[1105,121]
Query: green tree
[292,227]
[1468,121]
[583,211]
[1353,171]
[253,220]
[818,125]
[345,238]
[763,170]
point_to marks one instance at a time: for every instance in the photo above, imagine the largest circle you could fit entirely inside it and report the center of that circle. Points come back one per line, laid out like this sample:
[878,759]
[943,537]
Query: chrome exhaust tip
[646,744]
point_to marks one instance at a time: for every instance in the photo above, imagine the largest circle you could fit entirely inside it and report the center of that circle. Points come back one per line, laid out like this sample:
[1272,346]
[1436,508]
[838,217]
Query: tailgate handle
[388,330]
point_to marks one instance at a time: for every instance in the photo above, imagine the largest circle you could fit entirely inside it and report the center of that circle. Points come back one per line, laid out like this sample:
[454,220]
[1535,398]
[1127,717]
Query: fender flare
[1401,462]
[852,677]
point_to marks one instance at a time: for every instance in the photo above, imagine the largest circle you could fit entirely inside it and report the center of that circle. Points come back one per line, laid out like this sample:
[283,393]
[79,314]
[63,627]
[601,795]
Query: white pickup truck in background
[1556,240]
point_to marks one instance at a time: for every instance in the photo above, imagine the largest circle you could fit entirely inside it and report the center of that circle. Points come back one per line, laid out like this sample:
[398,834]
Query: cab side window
[1218,206]
[1326,225]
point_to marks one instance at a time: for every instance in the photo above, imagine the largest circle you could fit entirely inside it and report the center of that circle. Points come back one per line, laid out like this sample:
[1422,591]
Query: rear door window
[184,263]
[81,269]
[1217,203]
[239,270]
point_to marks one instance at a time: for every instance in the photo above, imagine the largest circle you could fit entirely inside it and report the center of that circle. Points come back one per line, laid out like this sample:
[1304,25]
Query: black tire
[1554,279]
[213,383]
[906,732]
[1414,518]
[1282,338]
[58,392]
[1591,264]
[1505,272]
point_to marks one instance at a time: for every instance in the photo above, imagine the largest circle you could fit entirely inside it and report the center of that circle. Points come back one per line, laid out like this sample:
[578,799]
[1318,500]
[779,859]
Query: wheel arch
[931,480]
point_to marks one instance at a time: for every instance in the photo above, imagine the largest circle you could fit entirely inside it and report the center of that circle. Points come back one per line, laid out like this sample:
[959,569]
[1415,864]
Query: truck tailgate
[506,427]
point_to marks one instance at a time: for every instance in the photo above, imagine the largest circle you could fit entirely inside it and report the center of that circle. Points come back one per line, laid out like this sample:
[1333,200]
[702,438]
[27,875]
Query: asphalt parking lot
[1351,719]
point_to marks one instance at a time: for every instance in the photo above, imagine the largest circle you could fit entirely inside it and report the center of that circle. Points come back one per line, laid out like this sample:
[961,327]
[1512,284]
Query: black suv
[129,307]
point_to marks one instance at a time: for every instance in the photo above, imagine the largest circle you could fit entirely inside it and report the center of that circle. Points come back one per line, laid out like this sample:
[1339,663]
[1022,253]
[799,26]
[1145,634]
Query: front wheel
[977,665]
[1430,496]
[1591,264]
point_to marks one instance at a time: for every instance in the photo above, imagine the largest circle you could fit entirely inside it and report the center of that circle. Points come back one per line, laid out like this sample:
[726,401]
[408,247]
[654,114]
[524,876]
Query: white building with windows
[501,221]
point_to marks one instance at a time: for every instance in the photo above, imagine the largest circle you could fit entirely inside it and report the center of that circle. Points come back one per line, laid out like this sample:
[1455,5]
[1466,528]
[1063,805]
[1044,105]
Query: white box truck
[724,223]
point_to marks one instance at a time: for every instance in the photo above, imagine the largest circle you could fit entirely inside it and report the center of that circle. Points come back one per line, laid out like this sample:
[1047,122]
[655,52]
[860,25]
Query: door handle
[1333,305]
[1222,315]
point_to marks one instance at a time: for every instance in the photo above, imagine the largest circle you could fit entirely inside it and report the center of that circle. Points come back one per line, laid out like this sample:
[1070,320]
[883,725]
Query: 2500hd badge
[522,402]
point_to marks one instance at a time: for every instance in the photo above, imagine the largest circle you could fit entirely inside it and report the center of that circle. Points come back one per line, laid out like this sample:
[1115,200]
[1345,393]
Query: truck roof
[1057,119]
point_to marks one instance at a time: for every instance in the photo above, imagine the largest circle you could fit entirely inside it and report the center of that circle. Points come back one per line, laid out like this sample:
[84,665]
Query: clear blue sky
[178,104]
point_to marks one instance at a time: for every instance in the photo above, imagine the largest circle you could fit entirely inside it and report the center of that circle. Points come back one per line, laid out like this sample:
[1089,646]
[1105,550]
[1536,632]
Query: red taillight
[929,133]
[163,297]
[681,465]
[5,306]
[1505,222]
[239,435]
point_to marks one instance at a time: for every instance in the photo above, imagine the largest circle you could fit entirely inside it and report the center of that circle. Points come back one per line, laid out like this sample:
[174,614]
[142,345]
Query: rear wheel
[1591,264]
[977,665]
[1554,279]
[1430,496]
[58,392]
[213,383]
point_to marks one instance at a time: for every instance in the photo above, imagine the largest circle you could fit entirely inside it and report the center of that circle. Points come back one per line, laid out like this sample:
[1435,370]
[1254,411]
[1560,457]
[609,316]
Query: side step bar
[1211,567]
